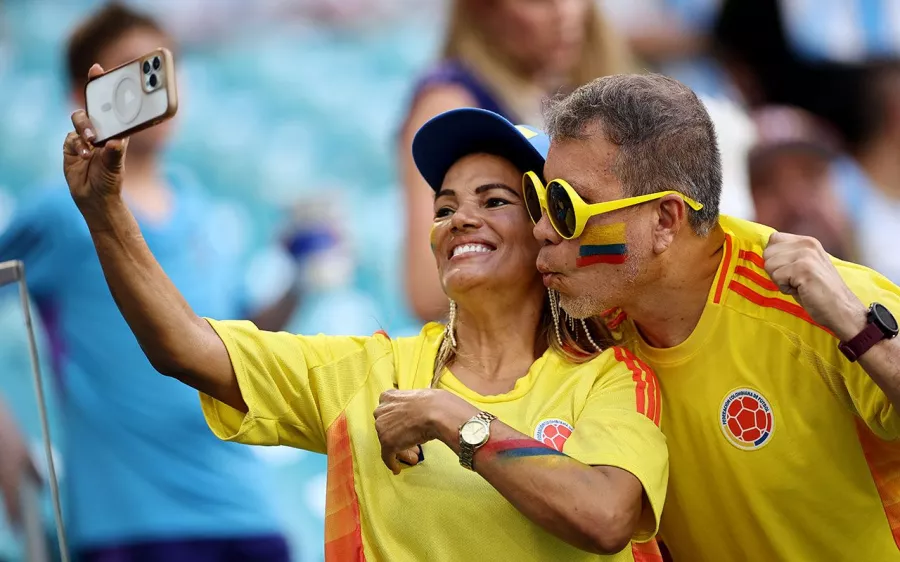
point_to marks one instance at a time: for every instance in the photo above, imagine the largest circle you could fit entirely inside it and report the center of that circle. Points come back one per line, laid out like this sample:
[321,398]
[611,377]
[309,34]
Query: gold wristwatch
[472,435]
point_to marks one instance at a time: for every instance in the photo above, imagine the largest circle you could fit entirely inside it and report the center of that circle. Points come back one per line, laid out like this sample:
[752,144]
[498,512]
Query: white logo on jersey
[746,419]
[553,433]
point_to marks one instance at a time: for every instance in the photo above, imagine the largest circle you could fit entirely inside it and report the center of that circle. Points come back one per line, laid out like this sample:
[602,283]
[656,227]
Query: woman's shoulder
[413,356]
[430,334]
[612,363]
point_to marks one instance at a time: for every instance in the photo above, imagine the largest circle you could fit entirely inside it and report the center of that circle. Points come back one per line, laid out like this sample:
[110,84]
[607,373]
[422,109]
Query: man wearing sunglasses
[778,363]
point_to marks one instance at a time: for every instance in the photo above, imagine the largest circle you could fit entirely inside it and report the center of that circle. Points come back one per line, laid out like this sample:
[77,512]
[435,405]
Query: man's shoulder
[755,311]
[756,291]
[614,364]
[746,235]
[865,282]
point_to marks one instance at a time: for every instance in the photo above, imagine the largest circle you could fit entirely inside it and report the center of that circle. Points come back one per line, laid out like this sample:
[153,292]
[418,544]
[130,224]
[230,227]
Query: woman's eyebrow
[489,186]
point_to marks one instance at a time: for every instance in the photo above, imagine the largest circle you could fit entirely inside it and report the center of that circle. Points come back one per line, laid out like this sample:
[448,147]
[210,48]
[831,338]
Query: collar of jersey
[523,385]
[706,327]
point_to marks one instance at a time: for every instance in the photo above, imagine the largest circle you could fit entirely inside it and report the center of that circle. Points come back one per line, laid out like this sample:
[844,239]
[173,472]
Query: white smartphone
[133,96]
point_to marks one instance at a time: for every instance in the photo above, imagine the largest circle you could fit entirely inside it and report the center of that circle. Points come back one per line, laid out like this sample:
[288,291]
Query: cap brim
[446,138]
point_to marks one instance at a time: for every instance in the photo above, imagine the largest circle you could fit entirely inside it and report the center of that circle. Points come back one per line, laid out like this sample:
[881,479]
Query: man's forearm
[882,361]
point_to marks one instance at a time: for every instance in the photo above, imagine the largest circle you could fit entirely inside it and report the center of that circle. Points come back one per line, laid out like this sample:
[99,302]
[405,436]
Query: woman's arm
[257,387]
[607,488]
[177,342]
[596,508]
[426,296]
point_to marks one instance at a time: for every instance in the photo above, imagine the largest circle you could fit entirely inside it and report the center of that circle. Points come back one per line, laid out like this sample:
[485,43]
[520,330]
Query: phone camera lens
[156,63]
[146,67]
[153,81]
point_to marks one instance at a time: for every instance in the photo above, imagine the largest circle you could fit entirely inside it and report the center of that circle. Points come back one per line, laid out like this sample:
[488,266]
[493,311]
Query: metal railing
[14,272]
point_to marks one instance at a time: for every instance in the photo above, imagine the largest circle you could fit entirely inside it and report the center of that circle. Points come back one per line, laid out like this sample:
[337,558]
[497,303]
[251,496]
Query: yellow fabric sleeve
[869,401]
[618,427]
[294,386]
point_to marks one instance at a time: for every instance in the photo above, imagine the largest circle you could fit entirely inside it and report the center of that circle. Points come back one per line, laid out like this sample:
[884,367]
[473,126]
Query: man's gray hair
[665,137]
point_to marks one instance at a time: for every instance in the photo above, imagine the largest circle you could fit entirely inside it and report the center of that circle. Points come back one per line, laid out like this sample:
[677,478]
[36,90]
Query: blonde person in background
[523,440]
[505,56]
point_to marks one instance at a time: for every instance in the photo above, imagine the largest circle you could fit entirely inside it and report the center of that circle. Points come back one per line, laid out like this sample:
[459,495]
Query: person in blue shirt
[145,479]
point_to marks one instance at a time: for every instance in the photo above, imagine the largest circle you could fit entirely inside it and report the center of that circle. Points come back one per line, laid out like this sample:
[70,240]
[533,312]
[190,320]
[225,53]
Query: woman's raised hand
[94,173]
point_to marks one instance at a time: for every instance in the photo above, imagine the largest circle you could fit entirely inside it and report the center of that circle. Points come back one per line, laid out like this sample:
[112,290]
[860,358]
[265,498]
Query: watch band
[880,325]
[862,343]
[467,450]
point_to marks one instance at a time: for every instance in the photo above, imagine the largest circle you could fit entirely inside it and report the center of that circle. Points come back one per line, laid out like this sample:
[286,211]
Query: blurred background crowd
[295,122]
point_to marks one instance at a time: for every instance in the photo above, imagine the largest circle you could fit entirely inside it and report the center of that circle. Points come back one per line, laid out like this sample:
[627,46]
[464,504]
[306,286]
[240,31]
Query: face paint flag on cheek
[602,244]
[432,235]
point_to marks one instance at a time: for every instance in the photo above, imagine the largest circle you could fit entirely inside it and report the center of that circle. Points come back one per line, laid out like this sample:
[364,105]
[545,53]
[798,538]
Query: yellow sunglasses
[569,211]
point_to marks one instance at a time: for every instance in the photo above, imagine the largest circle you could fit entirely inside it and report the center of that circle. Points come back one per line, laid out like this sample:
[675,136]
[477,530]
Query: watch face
[885,318]
[474,432]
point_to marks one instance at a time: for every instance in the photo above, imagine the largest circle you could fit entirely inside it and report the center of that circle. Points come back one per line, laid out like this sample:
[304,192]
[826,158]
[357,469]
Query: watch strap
[863,342]
[467,450]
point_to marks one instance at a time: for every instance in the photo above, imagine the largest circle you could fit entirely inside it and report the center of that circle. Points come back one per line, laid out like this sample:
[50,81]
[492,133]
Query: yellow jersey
[781,449]
[318,393]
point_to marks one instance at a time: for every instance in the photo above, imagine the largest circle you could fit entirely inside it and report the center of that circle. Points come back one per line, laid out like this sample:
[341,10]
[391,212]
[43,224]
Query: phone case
[133,96]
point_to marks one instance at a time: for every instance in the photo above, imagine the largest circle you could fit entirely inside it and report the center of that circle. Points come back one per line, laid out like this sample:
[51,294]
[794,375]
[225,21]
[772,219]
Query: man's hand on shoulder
[801,268]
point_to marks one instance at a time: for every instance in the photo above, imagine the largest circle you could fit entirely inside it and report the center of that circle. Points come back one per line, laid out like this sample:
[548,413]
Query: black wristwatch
[881,325]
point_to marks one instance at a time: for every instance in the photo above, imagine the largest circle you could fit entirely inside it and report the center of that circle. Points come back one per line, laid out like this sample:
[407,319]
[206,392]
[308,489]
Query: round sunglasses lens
[560,209]
[532,202]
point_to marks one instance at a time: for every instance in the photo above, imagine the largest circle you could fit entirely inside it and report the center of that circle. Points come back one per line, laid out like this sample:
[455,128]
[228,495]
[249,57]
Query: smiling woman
[508,431]
[479,232]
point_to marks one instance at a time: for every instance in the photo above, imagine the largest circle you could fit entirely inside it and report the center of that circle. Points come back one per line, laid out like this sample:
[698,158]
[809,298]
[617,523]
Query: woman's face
[542,36]
[481,236]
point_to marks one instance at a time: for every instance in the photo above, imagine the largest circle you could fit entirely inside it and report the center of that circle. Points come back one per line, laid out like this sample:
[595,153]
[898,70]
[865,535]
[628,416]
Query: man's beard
[592,303]
[580,307]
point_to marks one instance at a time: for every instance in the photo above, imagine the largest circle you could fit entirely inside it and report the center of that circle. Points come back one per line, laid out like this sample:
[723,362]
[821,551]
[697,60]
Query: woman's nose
[466,217]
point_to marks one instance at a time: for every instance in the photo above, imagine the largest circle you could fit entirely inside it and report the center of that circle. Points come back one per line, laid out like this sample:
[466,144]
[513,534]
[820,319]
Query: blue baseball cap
[459,132]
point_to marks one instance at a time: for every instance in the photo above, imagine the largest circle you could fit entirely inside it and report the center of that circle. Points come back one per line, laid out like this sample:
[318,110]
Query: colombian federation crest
[553,433]
[746,419]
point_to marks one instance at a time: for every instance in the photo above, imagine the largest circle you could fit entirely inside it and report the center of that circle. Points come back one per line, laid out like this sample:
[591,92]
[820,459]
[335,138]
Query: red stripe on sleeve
[757,278]
[774,302]
[640,385]
[753,258]
[657,414]
[649,386]
[723,271]
[653,394]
